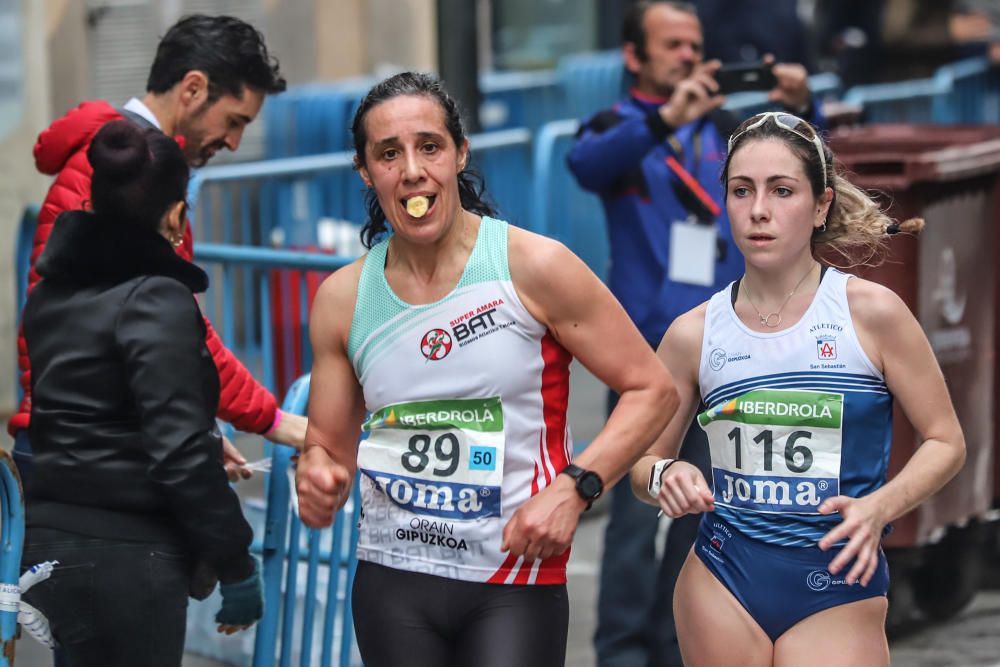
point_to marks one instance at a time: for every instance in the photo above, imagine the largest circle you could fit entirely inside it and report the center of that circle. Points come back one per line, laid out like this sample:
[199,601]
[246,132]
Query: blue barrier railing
[967,91]
[22,260]
[560,207]
[247,271]
[519,99]
[11,543]
[244,203]
[289,548]
[306,617]
[22,257]
[973,92]
[591,81]
[915,101]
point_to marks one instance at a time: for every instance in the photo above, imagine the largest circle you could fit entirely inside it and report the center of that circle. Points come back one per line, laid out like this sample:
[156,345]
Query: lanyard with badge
[694,241]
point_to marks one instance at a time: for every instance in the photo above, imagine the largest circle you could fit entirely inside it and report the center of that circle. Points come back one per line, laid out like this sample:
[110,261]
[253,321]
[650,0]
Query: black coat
[124,395]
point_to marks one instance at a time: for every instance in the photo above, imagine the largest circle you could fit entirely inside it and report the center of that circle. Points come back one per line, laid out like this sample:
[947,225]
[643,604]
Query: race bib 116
[776,450]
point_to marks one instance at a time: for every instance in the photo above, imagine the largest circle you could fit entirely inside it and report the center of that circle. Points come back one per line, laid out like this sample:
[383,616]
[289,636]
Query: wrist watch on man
[589,485]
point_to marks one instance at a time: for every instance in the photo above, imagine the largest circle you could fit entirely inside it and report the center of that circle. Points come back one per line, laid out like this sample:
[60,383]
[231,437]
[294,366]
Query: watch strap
[656,476]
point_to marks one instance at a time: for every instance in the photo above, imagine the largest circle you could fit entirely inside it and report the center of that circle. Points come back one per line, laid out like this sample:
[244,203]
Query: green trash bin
[947,276]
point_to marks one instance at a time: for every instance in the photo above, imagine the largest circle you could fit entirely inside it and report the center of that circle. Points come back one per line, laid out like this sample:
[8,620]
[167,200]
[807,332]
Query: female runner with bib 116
[454,333]
[798,365]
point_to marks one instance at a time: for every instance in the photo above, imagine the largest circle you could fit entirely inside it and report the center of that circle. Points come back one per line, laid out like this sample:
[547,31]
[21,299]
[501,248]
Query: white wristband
[656,476]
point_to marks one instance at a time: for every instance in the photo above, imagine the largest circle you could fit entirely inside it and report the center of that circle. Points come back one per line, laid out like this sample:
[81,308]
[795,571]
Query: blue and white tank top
[793,417]
[468,401]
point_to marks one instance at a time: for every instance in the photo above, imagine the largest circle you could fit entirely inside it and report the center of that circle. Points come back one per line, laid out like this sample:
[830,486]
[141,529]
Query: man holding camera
[654,159]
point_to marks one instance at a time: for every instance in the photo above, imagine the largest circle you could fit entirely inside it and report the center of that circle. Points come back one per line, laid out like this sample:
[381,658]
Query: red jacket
[62,151]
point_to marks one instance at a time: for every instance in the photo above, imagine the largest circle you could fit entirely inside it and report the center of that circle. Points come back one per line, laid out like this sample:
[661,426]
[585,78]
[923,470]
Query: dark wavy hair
[138,174]
[231,52]
[471,186]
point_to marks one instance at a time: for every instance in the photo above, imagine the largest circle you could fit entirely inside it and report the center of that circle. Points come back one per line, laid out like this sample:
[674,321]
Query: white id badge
[692,253]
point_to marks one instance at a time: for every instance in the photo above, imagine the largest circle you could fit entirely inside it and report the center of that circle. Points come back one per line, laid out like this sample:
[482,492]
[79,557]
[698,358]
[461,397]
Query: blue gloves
[243,601]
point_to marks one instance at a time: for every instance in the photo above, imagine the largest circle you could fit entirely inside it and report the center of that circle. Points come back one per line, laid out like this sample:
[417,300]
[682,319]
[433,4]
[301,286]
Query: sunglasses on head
[789,122]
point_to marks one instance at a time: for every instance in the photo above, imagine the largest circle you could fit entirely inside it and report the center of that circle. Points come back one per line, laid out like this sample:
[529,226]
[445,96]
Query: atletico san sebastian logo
[436,344]
[826,347]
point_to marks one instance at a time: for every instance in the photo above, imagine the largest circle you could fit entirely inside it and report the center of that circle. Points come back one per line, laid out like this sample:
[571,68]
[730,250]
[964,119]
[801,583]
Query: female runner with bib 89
[798,365]
[455,333]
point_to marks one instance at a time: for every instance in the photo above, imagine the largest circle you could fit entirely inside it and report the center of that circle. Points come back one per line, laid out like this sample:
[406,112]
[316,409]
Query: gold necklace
[766,320]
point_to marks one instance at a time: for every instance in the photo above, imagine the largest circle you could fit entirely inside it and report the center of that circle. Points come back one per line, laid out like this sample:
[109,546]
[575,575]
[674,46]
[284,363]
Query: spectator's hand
[694,97]
[683,490]
[965,27]
[242,603]
[792,90]
[862,527]
[994,53]
[234,461]
[544,526]
[291,430]
[322,485]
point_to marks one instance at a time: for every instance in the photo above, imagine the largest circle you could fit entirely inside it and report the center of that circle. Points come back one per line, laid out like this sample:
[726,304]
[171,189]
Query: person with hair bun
[798,365]
[206,84]
[130,495]
[455,334]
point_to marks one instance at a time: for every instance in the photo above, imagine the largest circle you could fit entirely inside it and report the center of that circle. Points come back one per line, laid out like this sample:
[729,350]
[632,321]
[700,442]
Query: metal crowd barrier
[245,203]
[967,91]
[307,616]
[11,543]
[591,81]
[560,207]
[519,99]
[974,95]
[916,101]
[291,552]
[22,256]
[253,334]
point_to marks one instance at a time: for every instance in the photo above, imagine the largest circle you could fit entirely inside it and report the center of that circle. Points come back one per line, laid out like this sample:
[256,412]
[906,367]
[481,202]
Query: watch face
[590,485]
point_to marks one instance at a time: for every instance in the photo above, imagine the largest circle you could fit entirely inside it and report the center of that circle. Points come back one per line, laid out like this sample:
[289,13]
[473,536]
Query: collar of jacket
[85,249]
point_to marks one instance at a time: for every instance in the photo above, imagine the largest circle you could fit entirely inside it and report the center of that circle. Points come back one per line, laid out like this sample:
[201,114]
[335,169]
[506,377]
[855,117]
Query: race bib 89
[776,450]
[441,458]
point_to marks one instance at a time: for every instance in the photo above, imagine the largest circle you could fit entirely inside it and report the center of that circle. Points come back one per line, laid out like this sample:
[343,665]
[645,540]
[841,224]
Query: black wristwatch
[588,484]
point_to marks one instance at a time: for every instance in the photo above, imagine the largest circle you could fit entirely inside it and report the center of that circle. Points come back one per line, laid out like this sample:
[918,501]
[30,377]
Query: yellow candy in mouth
[417,206]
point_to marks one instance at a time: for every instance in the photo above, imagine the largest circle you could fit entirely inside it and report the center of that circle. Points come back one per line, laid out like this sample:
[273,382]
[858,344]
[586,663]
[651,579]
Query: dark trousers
[111,603]
[420,620]
[635,619]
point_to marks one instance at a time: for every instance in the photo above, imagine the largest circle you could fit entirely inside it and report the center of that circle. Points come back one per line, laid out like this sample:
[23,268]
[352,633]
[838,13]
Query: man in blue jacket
[655,159]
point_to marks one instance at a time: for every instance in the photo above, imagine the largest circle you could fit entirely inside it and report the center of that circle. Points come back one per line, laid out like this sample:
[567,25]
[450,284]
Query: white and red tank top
[467,400]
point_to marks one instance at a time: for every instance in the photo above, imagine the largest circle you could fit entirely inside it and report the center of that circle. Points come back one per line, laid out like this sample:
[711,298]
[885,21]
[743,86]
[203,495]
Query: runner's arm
[583,316]
[680,352]
[911,371]
[580,313]
[336,404]
[893,339]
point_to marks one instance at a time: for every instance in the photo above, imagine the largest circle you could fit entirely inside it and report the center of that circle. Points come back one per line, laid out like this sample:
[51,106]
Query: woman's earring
[821,228]
[176,241]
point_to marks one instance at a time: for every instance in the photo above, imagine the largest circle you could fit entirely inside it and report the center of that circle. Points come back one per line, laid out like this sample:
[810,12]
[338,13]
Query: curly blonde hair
[856,228]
